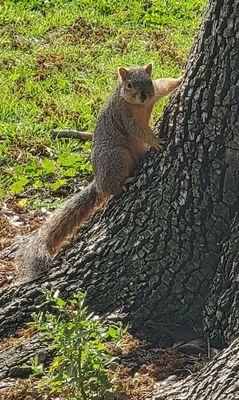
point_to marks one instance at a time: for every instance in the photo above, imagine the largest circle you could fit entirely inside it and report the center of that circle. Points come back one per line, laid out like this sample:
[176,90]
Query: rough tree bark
[152,254]
[222,309]
[219,380]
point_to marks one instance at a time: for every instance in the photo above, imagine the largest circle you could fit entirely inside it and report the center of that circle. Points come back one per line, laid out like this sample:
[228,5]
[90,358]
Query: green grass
[58,64]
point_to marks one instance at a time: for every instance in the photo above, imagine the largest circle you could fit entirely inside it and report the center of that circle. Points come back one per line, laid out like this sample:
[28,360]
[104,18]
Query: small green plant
[81,345]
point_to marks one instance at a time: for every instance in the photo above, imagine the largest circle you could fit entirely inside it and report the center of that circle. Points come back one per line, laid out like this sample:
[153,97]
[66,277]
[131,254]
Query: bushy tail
[36,251]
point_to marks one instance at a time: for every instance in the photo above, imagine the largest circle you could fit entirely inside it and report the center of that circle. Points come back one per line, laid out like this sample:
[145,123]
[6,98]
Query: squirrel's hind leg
[117,165]
[126,182]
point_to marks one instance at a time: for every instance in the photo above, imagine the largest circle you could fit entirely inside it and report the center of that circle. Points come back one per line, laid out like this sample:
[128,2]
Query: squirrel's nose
[143,96]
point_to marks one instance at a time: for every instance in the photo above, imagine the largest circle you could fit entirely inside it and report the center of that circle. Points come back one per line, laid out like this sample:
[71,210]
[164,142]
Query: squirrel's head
[137,85]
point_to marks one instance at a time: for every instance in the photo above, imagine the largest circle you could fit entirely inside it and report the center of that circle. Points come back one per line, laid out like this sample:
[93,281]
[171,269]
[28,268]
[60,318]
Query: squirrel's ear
[148,68]
[122,73]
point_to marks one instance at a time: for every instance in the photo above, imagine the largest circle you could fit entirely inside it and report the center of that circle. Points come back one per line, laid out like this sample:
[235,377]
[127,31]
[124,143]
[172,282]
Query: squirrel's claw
[160,144]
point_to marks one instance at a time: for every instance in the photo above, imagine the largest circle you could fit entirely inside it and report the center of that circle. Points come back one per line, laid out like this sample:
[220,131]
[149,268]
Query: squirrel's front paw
[159,144]
[181,78]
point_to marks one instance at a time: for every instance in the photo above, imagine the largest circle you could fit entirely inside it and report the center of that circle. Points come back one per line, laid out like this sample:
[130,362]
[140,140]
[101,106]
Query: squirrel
[121,137]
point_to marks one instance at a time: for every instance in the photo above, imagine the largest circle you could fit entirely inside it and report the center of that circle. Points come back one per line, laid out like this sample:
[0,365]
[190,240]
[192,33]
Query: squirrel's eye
[129,85]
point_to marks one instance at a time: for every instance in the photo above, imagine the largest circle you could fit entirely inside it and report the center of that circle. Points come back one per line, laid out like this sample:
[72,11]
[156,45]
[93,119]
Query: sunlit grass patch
[59,62]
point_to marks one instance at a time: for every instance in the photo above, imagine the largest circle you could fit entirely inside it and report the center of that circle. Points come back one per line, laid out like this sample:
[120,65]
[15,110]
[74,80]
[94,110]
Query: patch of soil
[50,109]
[142,367]
[47,62]
[159,41]
[81,32]
[19,337]
[14,223]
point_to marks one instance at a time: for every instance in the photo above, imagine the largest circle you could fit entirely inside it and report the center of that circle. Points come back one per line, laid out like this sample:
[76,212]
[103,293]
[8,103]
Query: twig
[80,135]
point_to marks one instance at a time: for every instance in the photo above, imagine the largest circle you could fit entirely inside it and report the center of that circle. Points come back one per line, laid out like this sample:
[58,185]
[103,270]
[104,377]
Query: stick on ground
[80,135]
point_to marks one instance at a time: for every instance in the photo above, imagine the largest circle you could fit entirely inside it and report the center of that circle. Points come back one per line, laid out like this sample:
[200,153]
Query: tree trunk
[219,379]
[222,309]
[152,254]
